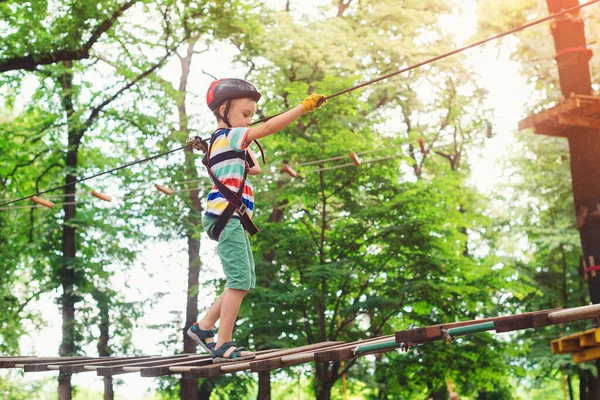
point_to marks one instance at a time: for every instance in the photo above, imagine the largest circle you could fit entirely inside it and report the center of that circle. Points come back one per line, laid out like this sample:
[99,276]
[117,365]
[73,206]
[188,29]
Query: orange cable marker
[289,170]
[163,189]
[355,159]
[101,196]
[42,202]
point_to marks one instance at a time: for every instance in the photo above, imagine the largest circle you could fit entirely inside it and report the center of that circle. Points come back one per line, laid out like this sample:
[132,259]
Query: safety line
[451,53]
[467,47]
[90,200]
[97,175]
[429,61]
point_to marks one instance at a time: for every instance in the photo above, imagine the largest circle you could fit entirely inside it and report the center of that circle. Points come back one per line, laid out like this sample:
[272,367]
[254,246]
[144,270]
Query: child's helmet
[222,90]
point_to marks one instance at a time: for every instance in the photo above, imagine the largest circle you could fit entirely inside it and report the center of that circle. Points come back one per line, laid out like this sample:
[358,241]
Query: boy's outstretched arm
[279,122]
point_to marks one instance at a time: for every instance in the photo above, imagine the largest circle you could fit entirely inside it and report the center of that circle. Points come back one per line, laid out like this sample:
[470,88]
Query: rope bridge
[201,366]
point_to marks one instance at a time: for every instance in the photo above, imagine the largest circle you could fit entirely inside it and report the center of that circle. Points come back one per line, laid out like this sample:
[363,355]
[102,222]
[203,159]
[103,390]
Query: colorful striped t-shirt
[227,162]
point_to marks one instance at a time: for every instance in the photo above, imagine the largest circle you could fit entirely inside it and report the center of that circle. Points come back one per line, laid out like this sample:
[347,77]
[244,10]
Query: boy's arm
[279,122]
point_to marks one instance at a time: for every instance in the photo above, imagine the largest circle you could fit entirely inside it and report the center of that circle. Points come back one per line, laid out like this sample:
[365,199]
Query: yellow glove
[312,102]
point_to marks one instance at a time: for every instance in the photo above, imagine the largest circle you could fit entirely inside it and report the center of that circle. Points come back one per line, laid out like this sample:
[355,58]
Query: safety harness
[234,200]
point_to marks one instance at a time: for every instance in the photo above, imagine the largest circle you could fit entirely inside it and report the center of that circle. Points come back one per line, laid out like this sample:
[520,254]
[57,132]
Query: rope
[96,175]
[128,196]
[451,53]
[429,61]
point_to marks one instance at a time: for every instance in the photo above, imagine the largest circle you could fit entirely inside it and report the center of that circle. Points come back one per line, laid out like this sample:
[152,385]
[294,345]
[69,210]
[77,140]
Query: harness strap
[234,201]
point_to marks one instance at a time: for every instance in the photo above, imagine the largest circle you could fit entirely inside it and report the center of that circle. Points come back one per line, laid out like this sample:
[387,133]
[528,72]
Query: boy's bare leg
[232,300]
[211,316]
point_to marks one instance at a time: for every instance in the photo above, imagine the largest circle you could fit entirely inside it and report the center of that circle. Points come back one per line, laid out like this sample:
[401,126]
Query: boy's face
[240,113]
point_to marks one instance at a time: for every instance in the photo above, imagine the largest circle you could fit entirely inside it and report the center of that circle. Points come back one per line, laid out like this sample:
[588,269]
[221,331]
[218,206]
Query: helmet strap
[225,114]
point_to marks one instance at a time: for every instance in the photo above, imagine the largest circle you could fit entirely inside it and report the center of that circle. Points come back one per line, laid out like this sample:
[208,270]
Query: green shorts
[235,253]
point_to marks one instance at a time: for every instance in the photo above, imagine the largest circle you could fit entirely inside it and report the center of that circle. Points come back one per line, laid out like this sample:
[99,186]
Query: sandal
[218,355]
[200,335]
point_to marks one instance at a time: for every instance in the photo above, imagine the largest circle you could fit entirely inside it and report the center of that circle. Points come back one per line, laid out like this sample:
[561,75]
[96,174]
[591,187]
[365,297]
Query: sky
[163,265]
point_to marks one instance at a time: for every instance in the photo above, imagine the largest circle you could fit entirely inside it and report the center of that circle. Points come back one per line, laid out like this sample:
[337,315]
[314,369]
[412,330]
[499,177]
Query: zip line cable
[97,175]
[130,194]
[429,61]
[459,50]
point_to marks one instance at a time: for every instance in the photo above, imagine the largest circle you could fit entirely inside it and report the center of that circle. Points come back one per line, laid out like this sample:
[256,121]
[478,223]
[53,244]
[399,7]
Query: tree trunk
[584,143]
[67,268]
[264,377]
[103,349]
[189,386]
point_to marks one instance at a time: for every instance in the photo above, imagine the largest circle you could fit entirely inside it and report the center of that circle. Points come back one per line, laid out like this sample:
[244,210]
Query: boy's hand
[312,102]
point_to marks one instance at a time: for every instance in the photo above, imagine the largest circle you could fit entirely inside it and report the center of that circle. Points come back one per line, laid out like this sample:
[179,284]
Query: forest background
[480,224]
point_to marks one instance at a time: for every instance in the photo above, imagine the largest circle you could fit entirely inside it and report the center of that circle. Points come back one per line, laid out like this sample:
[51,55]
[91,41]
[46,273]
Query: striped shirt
[227,162]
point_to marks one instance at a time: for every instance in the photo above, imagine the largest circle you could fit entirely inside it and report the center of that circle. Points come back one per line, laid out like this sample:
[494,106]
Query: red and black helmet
[222,90]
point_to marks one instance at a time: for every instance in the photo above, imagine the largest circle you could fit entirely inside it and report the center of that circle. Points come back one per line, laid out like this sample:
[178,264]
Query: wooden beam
[163,189]
[12,362]
[42,202]
[80,367]
[579,121]
[101,196]
[160,370]
[523,321]
[289,170]
[434,332]
[116,369]
[346,351]
[220,369]
[355,159]
[587,355]
[288,360]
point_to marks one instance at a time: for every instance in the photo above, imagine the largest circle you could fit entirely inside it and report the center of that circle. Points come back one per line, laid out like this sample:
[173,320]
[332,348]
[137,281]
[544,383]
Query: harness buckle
[242,209]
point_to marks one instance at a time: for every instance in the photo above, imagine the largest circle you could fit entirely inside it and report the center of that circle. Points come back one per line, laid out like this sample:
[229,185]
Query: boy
[231,203]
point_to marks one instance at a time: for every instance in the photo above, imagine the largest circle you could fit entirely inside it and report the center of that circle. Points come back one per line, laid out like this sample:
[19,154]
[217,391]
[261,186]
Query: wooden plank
[80,367]
[578,111]
[101,196]
[575,342]
[220,369]
[568,346]
[43,202]
[587,355]
[37,367]
[579,121]
[346,351]
[286,361]
[160,370]
[103,370]
[575,313]
[588,340]
[579,334]
[418,335]
[523,321]
[11,362]
[434,332]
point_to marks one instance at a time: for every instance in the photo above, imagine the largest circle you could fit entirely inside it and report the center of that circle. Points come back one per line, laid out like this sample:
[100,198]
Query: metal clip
[197,143]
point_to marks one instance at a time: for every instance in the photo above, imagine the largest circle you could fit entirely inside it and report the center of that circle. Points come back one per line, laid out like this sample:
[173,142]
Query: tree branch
[32,61]
[97,110]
